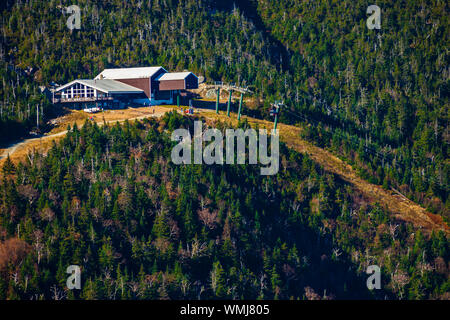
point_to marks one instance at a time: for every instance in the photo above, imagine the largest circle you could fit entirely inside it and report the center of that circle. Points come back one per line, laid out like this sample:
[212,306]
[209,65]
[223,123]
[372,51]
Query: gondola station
[119,88]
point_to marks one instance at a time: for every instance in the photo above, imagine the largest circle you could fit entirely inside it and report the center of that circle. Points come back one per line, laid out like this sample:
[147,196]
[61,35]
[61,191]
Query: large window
[89,92]
[78,90]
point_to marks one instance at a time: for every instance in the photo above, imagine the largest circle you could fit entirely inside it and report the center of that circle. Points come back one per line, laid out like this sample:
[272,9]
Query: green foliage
[386,88]
[378,95]
[167,232]
[142,228]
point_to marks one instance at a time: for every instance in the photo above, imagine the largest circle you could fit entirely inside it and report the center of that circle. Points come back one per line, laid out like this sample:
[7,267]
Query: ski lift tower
[218,85]
[230,88]
[242,90]
[275,111]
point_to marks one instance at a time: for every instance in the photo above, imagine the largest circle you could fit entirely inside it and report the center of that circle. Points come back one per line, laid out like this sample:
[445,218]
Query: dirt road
[19,150]
[13,148]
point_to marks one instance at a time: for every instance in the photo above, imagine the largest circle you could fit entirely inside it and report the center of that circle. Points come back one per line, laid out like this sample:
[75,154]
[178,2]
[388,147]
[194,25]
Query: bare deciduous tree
[57,293]
[311,294]
[393,230]
[209,219]
[399,280]
[12,251]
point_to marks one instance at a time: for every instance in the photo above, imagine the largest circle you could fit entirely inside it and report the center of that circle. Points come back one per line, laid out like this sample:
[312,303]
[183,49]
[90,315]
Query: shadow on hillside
[279,53]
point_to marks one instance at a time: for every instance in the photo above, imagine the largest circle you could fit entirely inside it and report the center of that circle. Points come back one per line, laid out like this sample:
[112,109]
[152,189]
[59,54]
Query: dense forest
[378,98]
[192,35]
[110,200]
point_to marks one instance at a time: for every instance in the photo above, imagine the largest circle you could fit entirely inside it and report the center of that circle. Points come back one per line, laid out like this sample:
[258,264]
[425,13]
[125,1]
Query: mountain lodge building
[116,88]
